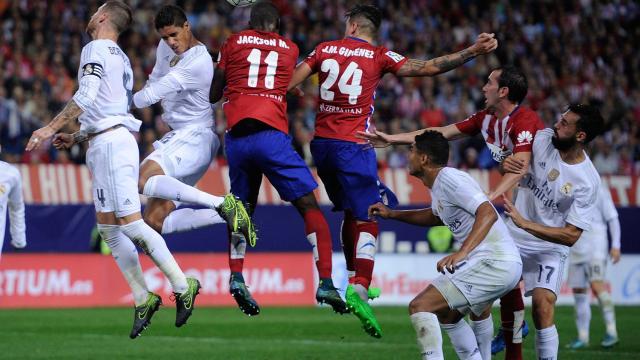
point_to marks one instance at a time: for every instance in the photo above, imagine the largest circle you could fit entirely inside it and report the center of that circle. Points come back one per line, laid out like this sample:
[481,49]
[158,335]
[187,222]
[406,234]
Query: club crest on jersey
[566,188]
[394,56]
[2,189]
[92,69]
[174,61]
[553,174]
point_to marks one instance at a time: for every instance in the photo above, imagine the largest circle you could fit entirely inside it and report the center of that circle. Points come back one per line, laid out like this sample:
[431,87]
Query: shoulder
[450,179]
[526,116]
[10,170]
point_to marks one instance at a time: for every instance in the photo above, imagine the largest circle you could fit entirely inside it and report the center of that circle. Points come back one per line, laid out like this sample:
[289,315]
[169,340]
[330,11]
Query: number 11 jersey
[258,67]
[349,71]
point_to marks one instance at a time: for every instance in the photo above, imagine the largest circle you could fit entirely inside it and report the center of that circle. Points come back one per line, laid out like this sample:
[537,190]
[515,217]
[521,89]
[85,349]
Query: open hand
[377,138]
[485,43]
[512,212]
[38,137]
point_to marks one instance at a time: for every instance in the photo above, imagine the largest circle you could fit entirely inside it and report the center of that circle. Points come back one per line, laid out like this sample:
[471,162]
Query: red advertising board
[87,280]
[48,184]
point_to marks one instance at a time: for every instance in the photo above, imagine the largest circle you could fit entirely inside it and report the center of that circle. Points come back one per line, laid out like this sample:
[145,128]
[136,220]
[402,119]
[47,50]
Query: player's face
[564,131]
[491,90]
[415,165]
[177,37]
[95,19]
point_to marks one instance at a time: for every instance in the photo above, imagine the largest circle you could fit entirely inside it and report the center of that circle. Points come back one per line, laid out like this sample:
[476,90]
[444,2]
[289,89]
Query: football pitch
[277,333]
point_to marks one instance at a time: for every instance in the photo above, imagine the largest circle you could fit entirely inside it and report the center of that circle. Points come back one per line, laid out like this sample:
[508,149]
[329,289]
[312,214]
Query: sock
[318,235]
[166,187]
[153,245]
[583,315]
[190,219]
[428,334]
[365,252]
[126,256]
[237,251]
[463,340]
[483,329]
[608,313]
[512,315]
[348,236]
[547,342]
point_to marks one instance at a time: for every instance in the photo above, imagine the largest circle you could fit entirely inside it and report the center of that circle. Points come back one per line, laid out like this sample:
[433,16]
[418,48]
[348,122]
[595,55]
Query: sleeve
[16,214]
[313,59]
[223,54]
[391,61]
[464,192]
[542,141]
[156,91]
[523,132]
[473,124]
[155,73]
[92,68]
[609,211]
[583,208]
[614,231]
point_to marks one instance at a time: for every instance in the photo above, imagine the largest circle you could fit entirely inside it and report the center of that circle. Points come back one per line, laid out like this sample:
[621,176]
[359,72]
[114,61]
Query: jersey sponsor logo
[525,137]
[92,69]
[498,153]
[174,61]
[553,174]
[454,225]
[394,56]
[542,193]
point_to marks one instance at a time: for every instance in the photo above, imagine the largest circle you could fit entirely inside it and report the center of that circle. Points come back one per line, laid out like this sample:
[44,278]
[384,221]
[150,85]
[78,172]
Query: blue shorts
[349,172]
[267,152]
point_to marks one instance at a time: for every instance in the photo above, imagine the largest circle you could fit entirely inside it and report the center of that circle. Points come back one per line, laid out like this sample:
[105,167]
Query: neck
[429,176]
[368,39]
[575,155]
[104,33]
[504,108]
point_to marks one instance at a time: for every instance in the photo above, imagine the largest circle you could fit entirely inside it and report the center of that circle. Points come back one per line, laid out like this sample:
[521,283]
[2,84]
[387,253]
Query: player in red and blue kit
[254,68]
[349,71]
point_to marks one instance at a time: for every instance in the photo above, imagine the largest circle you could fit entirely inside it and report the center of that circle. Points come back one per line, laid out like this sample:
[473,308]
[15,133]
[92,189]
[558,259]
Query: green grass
[277,333]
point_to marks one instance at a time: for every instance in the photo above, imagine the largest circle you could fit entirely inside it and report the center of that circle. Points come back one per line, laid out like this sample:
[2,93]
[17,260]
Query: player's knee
[418,305]
[543,306]
[154,221]
[306,203]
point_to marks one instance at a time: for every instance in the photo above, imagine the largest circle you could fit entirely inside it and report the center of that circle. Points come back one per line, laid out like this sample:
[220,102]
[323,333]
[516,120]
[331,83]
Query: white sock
[153,245]
[583,315]
[547,342]
[168,188]
[463,340]
[608,313]
[428,334]
[125,254]
[190,219]
[483,329]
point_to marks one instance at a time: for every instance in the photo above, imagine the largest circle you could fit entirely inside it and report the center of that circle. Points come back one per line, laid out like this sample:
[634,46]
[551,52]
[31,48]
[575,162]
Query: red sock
[364,259]
[349,234]
[236,264]
[314,222]
[509,304]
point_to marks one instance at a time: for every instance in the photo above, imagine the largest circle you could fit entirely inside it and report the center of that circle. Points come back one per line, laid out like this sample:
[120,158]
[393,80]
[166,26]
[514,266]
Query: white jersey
[554,193]
[455,198]
[11,199]
[593,243]
[105,82]
[182,83]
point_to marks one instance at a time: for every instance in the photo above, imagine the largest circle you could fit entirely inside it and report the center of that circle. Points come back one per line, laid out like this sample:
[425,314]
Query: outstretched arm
[421,217]
[302,72]
[381,139]
[484,44]
[71,111]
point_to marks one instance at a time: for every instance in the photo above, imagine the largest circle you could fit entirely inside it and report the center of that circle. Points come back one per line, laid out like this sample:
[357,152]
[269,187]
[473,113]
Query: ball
[241,3]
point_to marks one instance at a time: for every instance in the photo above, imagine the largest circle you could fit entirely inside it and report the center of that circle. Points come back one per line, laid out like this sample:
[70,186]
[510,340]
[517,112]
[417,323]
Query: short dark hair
[435,145]
[120,15]
[514,79]
[169,15]
[590,120]
[264,16]
[368,16]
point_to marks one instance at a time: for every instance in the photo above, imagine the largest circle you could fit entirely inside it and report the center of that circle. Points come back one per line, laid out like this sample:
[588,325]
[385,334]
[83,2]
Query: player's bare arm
[217,85]
[421,217]
[381,139]
[301,73]
[484,44]
[567,235]
[511,178]
[486,216]
[71,111]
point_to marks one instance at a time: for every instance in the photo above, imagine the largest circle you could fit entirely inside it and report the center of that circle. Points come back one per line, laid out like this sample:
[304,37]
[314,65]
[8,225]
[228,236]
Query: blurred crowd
[571,51]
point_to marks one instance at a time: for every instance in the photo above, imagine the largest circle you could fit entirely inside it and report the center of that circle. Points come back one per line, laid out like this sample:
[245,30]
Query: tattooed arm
[70,112]
[485,44]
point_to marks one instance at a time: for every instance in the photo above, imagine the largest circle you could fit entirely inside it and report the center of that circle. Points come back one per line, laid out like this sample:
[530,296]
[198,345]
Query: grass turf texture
[277,333]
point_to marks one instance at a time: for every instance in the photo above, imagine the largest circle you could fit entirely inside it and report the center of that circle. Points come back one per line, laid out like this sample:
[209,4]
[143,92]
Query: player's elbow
[572,235]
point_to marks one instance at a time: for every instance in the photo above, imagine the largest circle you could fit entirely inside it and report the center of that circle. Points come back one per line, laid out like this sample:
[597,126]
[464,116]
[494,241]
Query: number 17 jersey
[258,67]
[349,71]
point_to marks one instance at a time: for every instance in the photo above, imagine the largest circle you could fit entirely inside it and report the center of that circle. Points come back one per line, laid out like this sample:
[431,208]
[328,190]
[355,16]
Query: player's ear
[581,136]
[503,92]
[186,25]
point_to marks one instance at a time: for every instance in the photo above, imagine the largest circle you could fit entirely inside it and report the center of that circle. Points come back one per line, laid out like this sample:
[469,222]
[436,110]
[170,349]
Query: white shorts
[542,270]
[582,274]
[114,162]
[185,154]
[476,284]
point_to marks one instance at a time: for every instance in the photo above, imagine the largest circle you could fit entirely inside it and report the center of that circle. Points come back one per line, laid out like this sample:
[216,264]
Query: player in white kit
[588,263]
[486,267]
[101,104]
[11,200]
[554,205]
